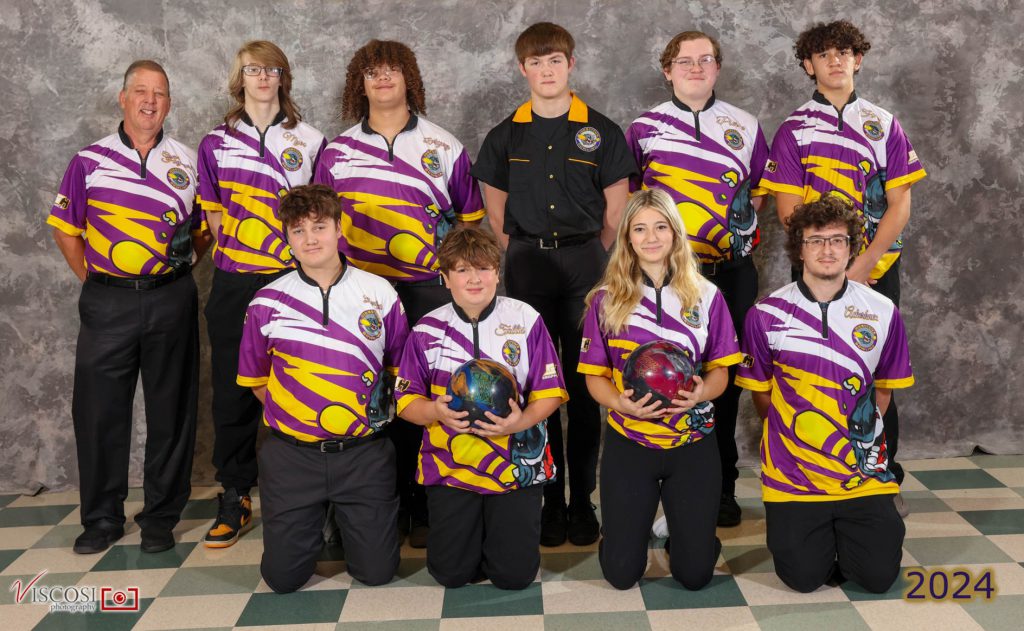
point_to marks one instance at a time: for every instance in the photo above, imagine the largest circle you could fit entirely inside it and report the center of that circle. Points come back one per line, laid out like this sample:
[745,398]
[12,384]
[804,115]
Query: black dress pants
[686,481]
[124,333]
[555,282]
[863,535]
[236,411]
[739,289]
[472,534]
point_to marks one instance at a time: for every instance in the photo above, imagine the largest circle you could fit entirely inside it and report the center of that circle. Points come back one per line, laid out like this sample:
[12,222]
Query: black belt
[431,282]
[718,267]
[553,244]
[328,446]
[141,283]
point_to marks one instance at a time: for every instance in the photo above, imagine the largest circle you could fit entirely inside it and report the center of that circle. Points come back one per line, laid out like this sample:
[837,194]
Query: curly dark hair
[826,211]
[841,34]
[316,200]
[354,105]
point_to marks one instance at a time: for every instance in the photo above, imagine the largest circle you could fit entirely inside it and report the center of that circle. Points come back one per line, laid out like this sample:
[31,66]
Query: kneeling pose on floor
[317,349]
[652,290]
[483,477]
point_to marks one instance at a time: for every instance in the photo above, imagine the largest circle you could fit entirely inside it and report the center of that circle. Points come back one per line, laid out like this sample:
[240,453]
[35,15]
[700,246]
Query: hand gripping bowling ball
[659,367]
[482,385]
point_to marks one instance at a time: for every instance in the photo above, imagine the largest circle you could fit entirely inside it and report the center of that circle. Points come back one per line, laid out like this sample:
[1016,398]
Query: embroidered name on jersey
[322,379]
[712,176]
[711,343]
[399,202]
[513,335]
[857,158]
[137,218]
[244,178]
[824,437]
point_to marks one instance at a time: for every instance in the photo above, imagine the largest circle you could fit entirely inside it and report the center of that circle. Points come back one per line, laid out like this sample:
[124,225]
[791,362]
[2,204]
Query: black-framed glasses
[254,70]
[837,242]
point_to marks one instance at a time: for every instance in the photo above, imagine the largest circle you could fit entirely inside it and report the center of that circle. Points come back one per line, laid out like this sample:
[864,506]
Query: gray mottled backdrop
[952,73]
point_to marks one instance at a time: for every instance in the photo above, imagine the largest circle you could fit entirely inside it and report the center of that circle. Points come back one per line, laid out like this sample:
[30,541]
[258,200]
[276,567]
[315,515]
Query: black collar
[650,283]
[686,108]
[409,126]
[309,281]
[128,141]
[277,119]
[820,98]
[483,314]
[806,291]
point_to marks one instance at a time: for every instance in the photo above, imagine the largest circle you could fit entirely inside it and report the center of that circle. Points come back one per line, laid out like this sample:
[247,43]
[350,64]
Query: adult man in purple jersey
[125,222]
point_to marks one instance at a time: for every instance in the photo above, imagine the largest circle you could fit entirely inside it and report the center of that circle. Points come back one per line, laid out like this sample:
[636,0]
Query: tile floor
[967,514]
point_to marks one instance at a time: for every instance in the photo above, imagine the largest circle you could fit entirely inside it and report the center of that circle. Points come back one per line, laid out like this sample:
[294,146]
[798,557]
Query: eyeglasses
[704,61]
[252,70]
[837,242]
[372,74]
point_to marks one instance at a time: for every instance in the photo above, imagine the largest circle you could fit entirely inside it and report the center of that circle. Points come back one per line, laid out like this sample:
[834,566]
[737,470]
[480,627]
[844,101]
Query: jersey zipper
[476,339]
[824,319]
[326,313]
[657,301]
[142,163]
[263,135]
[839,110]
[696,123]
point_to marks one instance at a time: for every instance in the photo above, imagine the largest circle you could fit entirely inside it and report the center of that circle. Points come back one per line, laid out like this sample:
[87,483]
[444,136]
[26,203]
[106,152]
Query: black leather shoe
[583,526]
[157,539]
[552,524]
[97,539]
[729,513]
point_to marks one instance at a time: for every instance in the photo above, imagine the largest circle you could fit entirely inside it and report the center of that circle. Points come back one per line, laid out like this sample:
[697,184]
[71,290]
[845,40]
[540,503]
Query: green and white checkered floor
[967,513]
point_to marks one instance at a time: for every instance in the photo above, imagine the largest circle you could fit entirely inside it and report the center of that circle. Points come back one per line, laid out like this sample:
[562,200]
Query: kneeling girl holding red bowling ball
[652,290]
[484,475]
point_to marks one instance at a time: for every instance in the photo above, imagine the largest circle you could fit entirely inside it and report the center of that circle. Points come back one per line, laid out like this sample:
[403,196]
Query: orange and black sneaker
[233,515]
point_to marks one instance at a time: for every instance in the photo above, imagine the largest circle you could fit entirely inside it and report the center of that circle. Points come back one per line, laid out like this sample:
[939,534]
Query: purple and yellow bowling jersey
[398,201]
[857,156]
[710,162]
[704,331]
[824,438]
[508,332]
[243,175]
[322,355]
[138,217]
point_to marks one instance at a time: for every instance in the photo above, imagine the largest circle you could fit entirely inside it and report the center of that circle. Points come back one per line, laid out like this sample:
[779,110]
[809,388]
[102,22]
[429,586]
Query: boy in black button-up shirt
[555,176]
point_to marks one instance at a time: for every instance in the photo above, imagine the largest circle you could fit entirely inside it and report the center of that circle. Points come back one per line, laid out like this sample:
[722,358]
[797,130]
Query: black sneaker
[97,539]
[552,524]
[729,513]
[583,526]
[419,530]
[157,539]
[233,515]
[331,532]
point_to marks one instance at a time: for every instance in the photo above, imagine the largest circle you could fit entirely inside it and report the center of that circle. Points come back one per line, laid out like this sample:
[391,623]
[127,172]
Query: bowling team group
[352,281]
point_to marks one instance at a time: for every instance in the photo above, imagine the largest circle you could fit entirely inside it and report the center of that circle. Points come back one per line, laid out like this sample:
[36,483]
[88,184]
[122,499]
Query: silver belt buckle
[540,242]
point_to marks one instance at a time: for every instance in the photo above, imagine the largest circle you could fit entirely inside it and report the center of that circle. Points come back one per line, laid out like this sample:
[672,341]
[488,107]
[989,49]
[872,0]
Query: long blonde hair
[623,277]
[267,53]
